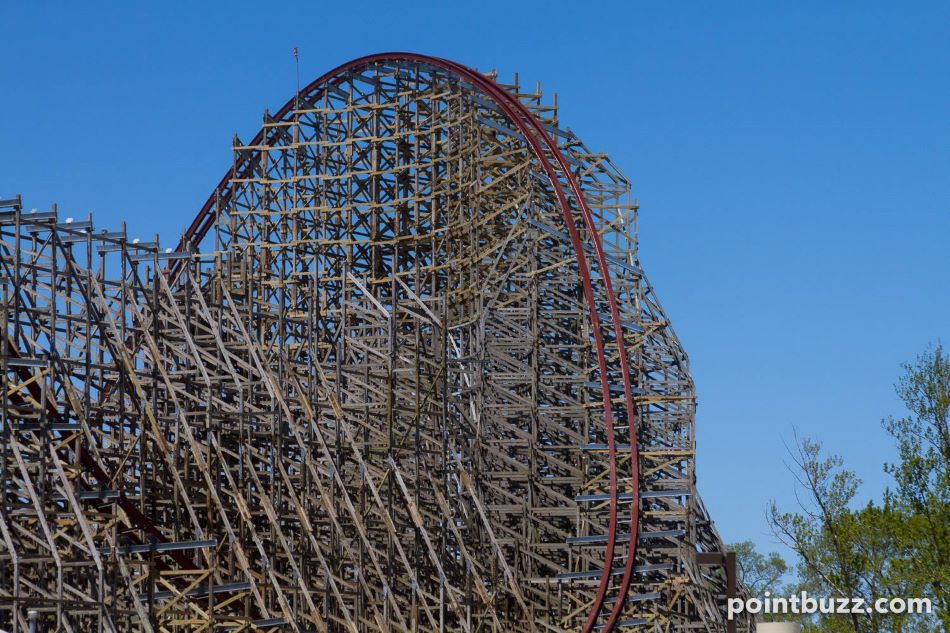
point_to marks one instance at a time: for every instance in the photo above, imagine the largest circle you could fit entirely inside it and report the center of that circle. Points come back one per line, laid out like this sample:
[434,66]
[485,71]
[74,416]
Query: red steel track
[542,145]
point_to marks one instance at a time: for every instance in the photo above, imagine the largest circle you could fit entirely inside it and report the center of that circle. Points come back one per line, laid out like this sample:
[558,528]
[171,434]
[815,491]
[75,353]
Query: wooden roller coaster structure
[404,372]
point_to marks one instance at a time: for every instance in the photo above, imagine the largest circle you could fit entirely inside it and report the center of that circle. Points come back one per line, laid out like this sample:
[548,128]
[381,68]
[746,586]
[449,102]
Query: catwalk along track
[403,372]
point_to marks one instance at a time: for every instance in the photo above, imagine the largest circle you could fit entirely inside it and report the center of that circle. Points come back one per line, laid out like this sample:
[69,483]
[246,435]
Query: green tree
[759,572]
[922,475]
[763,575]
[823,532]
[899,547]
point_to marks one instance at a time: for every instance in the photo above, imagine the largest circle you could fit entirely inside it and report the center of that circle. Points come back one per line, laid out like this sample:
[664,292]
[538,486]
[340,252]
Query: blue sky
[792,162]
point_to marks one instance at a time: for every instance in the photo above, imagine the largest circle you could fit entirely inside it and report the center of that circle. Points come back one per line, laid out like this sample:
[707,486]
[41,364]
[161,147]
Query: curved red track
[539,140]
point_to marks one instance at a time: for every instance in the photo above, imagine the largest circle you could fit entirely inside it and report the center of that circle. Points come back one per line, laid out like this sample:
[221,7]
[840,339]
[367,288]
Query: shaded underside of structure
[404,372]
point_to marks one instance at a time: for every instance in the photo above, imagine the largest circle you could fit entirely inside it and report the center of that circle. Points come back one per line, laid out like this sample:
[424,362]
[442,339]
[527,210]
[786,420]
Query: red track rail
[539,140]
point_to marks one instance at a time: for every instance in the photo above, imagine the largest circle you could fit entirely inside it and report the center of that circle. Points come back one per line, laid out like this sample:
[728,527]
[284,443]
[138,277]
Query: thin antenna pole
[297,94]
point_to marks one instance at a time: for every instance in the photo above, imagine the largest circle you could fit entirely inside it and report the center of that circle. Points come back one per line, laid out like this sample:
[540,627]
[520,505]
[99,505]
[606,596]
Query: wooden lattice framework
[404,372]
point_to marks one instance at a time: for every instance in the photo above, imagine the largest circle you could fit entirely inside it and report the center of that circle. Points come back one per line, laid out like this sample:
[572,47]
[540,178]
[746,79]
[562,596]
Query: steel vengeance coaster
[403,373]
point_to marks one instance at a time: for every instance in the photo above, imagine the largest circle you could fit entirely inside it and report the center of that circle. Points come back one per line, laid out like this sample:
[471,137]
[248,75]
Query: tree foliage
[759,573]
[922,474]
[896,547]
[762,575]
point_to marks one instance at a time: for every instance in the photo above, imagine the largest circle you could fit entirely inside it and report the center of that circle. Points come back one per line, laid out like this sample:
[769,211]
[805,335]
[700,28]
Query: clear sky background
[792,162]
